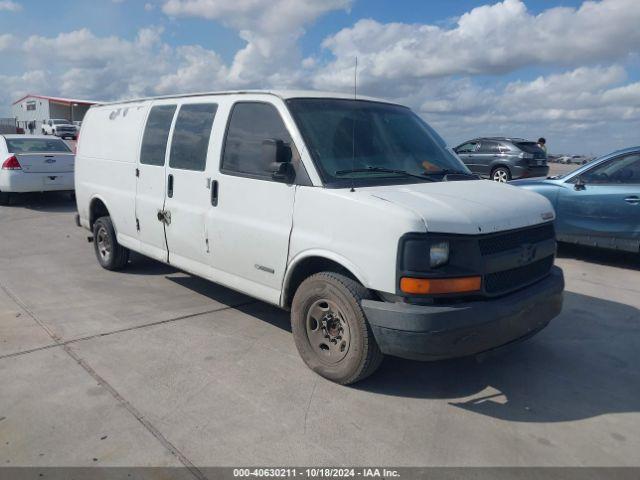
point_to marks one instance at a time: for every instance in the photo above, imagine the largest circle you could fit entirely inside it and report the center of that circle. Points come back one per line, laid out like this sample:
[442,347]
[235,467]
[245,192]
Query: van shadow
[263,311]
[600,256]
[584,364]
[45,201]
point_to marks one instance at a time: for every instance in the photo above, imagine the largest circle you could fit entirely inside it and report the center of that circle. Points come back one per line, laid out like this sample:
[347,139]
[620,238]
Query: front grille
[507,280]
[508,241]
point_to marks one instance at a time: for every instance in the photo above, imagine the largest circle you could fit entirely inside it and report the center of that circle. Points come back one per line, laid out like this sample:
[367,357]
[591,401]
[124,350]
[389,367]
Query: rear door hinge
[137,224]
[137,172]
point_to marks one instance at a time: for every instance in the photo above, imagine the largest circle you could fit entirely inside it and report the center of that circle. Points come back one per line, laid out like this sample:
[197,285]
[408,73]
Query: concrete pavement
[155,367]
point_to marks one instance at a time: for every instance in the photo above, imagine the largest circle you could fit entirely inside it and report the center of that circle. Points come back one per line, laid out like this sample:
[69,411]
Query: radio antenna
[353,124]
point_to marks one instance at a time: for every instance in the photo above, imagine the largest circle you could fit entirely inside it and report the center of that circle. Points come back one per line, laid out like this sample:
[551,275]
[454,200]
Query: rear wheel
[5,198]
[330,329]
[111,255]
[501,174]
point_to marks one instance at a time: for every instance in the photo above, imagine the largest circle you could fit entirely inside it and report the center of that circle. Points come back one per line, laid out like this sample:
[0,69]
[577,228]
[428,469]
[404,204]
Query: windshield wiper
[384,170]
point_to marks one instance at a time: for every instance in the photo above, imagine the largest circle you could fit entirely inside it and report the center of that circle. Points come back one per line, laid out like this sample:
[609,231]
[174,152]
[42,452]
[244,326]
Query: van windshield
[355,142]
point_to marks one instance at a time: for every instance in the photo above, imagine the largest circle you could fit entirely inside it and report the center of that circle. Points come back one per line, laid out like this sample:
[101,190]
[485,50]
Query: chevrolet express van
[350,213]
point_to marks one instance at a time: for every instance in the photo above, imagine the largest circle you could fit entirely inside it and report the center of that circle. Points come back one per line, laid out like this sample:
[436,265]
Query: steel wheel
[103,242]
[500,175]
[327,331]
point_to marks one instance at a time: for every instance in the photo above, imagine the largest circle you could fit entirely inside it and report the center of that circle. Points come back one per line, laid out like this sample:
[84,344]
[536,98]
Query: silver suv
[502,158]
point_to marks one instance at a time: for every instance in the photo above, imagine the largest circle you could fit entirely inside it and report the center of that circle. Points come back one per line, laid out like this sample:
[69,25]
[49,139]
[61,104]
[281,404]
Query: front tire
[330,329]
[110,254]
[501,175]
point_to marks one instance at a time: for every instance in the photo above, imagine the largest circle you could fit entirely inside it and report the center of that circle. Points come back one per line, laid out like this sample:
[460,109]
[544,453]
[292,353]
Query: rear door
[151,182]
[188,186]
[605,211]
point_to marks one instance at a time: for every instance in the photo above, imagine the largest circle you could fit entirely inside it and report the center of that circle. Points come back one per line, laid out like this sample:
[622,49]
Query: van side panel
[106,165]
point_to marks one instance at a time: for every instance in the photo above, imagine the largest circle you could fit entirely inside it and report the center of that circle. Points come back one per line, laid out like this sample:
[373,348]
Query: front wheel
[501,175]
[330,328]
[111,255]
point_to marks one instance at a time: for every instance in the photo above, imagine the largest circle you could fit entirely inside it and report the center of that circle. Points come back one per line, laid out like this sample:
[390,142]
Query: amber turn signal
[432,286]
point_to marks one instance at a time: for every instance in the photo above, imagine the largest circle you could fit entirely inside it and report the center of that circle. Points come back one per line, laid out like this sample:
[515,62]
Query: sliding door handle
[214,193]
[170,186]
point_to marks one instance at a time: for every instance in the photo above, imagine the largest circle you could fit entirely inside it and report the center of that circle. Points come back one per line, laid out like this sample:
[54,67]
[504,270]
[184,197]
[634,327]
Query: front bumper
[435,332]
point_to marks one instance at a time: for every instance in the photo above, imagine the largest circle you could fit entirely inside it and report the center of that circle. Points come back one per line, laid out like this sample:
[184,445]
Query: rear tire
[501,175]
[5,198]
[330,329]
[110,254]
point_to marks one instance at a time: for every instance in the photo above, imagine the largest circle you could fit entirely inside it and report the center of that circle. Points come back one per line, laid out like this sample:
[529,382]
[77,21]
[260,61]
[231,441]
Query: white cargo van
[352,214]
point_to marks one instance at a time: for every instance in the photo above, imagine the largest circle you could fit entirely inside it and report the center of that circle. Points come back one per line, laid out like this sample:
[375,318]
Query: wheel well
[307,267]
[97,209]
[500,165]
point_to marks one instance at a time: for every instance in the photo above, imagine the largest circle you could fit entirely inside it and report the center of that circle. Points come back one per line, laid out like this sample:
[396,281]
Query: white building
[39,108]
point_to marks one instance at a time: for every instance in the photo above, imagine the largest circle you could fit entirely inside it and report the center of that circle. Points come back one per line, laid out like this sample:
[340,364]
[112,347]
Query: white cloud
[586,102]
[270,28]
[9,6]
[587,107]
[491,39]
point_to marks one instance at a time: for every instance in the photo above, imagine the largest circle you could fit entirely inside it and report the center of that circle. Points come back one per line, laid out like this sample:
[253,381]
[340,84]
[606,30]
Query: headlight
[438,254]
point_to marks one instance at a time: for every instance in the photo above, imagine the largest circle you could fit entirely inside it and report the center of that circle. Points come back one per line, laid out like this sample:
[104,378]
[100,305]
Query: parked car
[574,159]
[352,214]
[502,158]
[597,204]
[32,163]
[60,127]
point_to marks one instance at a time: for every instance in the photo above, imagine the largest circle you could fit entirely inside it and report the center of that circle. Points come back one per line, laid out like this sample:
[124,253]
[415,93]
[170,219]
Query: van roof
[283,94]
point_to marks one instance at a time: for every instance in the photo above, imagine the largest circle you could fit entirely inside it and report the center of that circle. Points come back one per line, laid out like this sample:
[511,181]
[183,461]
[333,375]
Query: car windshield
[36,145]
[354,142]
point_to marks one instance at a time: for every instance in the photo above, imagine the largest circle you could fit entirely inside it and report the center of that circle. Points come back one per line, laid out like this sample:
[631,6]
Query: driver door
[602,206]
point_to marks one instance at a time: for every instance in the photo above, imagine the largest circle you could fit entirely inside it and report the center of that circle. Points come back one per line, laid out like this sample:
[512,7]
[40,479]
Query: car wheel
[330,328]
[501,175]
[111,255]
[5,198]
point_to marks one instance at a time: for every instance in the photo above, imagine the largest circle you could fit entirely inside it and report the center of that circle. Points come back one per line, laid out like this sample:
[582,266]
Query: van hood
[468,207]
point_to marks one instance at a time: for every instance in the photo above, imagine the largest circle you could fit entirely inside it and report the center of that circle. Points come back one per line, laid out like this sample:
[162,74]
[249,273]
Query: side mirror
[277,154]
[580,184]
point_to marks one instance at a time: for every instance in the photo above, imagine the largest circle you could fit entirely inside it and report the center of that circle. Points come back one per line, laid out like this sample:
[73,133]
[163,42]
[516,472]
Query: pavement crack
[60,343]
[306,412]
[66,346]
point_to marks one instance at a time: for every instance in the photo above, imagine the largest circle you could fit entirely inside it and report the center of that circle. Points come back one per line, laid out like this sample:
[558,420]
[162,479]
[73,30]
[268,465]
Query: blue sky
[566,69]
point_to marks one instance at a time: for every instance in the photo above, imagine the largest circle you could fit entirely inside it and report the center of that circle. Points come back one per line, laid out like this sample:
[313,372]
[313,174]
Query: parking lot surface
[152,366]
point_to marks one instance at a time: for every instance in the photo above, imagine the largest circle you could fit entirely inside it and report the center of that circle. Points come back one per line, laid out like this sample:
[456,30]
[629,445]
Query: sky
[566,70]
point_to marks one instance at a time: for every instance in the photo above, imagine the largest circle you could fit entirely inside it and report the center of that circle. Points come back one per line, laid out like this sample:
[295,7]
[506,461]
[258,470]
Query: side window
[466,148]
[156,134]
[618,171]
[249,125]
[488,147]
[191,136]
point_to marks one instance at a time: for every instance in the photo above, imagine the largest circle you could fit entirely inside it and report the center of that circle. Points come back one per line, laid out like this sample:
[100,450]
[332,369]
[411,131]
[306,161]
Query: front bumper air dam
[436,332]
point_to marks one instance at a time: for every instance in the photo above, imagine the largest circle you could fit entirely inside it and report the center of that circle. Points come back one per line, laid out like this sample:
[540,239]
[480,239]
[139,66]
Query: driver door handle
[633,200]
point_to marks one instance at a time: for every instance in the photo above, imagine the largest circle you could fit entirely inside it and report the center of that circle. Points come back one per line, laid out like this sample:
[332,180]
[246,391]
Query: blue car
[599,203]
